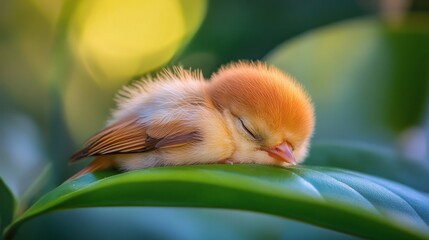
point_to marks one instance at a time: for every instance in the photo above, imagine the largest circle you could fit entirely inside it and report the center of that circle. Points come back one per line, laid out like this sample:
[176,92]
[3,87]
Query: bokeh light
[118,40]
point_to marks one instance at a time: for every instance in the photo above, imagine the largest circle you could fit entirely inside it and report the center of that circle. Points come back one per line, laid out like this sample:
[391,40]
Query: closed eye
[247,130]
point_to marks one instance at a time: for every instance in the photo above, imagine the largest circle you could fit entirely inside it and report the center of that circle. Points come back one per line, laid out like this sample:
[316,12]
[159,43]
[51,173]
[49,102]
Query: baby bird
[248,112]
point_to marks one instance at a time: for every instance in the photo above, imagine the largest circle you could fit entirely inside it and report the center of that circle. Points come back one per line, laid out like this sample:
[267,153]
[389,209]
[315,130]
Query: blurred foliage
[242,29]
[7,205]
[169,223]
[63,61]
[369,80]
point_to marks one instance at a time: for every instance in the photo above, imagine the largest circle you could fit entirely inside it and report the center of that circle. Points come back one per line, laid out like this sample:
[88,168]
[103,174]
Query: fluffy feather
[178,118]
[276,105]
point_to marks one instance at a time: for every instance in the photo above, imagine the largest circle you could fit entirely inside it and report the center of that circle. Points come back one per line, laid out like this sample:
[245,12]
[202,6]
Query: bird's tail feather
[100,163]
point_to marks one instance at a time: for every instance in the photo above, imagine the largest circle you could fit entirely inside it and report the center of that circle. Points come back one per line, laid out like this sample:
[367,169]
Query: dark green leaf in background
[7,205]
[369,80]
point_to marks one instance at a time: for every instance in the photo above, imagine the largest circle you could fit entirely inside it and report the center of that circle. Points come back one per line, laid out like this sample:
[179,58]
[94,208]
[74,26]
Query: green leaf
[7,205]
[368,79]
[370,159]
[341,200]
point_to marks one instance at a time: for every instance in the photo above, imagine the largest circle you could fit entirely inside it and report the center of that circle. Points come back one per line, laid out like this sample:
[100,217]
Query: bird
[248,112]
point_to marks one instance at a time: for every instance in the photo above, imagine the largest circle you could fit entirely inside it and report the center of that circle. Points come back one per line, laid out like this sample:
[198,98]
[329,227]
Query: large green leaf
[7,205]
[341,200]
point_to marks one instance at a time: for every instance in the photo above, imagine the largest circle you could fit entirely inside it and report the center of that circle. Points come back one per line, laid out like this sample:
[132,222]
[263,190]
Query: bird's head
[269,114]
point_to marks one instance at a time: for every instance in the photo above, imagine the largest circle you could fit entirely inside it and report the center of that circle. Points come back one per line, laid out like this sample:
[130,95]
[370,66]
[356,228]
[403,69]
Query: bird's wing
[131,136]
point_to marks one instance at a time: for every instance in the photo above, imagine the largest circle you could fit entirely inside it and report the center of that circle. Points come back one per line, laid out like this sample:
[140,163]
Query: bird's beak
[282,152]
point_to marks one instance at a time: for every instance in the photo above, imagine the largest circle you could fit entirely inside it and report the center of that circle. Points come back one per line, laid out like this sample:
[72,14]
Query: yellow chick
[247,113]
